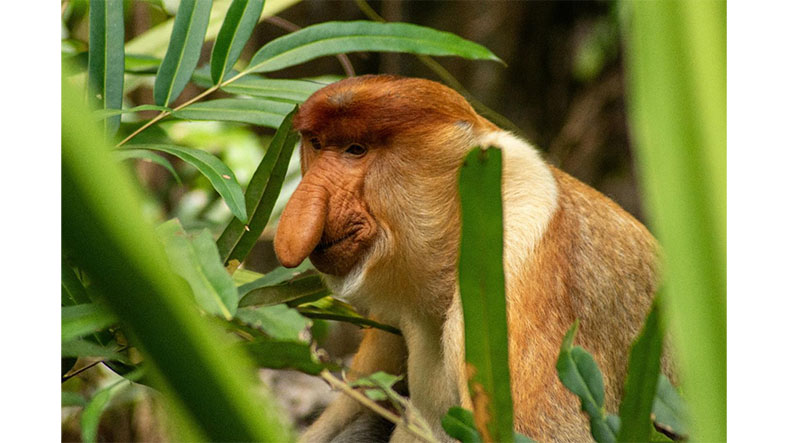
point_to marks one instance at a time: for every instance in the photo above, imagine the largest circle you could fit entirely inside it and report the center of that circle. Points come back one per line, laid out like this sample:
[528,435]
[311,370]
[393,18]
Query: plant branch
[383,412]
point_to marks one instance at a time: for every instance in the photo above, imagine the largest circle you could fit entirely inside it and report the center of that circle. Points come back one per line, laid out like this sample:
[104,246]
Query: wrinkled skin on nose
[326,218]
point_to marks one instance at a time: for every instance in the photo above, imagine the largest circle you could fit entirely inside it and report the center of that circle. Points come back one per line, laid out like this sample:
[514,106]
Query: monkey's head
[379,158]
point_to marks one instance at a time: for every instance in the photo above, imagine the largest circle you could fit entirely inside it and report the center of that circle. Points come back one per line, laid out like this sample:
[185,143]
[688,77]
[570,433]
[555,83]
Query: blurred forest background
[563,89]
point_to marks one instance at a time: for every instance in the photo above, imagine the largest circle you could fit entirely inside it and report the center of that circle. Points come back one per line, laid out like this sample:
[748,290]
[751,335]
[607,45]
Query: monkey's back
[595,263]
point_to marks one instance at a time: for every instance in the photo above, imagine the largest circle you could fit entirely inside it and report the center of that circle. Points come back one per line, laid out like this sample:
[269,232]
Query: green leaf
[642,376]
[103,113]
[277,276]
[197,261]
[68,398]
[82,348]
[143,154]
[255,111]
[83,319]
[277,354]
[483,293]
[220,176]
[333,38]
[329,308]
[458,423]
[91,414]
[154,40]
[105,57]
[141,64]
[292,91]
[579,373]
[244,276]
[676,63]
[279,322]
[183,51]
[236,29]
[379,386]
[238,239]
[214,389]
[71,290]
[669,409]
[301,289]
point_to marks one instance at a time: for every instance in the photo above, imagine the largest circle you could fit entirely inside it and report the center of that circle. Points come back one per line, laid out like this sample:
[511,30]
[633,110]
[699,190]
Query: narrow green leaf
[278,354]
[292,91]
[80,320]
[154,40]
[83,348]
[238,239]
[329,308]
[295,91]
[458,423]
[105,57]
[642,376]
[277,276]
[379,386]
[256,111]
[197,261]
[299,290]
[244,276]
[677,70]
[220,176]
[141,64]
[333,38]
[72,292]
[669,409]
[103,113]
[483,293]
[279,322]
[91,415]
[103,227]
[183,51]
[236,29]
[143,154]
[579,373]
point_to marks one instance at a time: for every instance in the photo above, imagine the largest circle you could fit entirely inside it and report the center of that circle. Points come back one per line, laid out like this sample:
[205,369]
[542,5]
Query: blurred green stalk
[676,61]
[104,232]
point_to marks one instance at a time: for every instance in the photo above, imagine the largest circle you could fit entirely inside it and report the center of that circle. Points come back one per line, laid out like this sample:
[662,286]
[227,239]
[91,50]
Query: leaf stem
[383,412]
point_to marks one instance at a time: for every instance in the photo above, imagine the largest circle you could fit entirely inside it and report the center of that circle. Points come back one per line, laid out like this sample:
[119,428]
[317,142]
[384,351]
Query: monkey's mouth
[337,255]
[326,243]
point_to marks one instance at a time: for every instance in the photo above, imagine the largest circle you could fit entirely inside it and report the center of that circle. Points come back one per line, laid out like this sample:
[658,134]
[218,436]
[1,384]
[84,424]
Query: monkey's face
[327,217]
[379,156]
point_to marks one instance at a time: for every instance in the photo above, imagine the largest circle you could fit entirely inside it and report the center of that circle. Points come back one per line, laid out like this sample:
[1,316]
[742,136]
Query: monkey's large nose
[302,222]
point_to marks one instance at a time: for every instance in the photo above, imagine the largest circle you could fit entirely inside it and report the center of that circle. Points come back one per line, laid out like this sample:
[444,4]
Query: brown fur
[569,252]
[590,243]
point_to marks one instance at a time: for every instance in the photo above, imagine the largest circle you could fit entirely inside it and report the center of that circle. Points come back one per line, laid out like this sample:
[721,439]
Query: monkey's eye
[356,149]
[315,143]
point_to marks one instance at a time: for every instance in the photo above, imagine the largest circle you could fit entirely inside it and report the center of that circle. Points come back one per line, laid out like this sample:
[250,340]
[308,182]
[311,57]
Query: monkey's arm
[379,351]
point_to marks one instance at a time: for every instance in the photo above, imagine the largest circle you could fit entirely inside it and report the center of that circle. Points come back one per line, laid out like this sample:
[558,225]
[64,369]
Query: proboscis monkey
[377,212]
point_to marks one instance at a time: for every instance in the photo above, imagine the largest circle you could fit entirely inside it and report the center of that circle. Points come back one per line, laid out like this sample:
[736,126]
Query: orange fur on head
[378,212]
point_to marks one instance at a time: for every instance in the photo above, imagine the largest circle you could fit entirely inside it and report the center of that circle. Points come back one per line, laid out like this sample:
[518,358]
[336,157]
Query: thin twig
[383,412]
[447,77]
[164,114]
[85,368]
[292,27]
